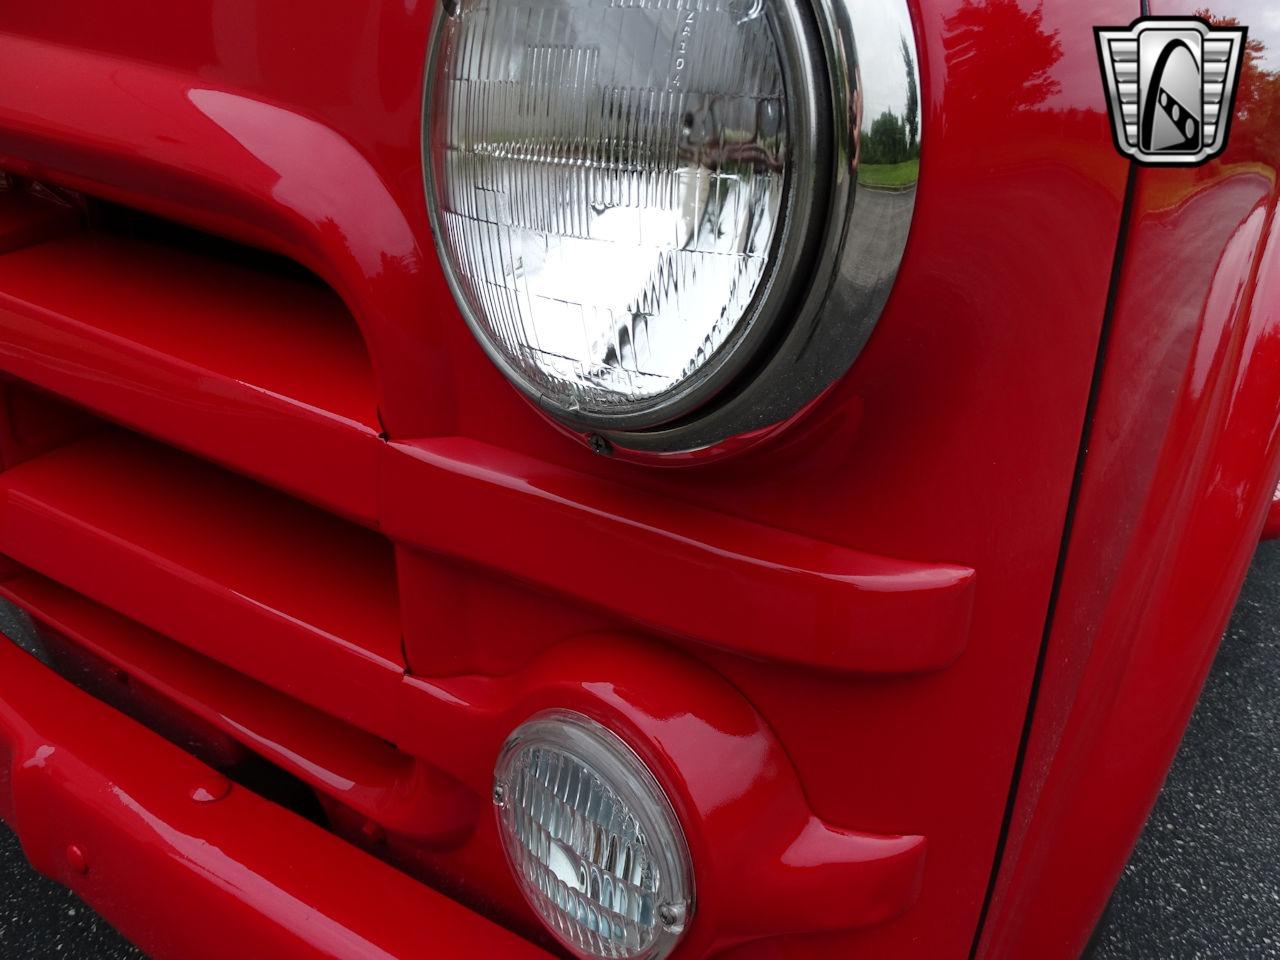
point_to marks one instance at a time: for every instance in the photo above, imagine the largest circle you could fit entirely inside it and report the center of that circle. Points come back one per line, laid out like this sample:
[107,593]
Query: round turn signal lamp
[592,839]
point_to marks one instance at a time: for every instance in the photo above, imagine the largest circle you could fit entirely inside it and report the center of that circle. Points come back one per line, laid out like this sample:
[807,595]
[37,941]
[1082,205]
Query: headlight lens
[612,193]
[592,839]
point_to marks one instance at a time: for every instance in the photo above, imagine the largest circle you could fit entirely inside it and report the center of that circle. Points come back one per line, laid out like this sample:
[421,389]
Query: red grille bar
[262,371]
[247,576]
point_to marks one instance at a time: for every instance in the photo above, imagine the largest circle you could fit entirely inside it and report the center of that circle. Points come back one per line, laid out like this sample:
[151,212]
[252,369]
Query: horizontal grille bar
[284,593]
[684,570]
[360,771]
[262,370]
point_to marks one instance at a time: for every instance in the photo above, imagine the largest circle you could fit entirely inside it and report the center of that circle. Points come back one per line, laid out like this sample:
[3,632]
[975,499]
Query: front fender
[1177,474]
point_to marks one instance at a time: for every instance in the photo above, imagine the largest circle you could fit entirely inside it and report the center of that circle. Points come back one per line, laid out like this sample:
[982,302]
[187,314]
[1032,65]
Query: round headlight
[615,194]
[640,204]
[592,839]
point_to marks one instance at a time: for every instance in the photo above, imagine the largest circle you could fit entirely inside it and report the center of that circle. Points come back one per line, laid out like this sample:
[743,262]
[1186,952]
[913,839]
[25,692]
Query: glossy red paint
[107,808]
[30,219]
[112,322]
[764,863]
[368,776]
[905,531]
[1181,470]
[188,125]
[911,616]
[289,595]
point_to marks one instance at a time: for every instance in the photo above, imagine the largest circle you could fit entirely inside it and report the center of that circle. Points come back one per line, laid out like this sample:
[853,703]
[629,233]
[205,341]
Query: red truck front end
[407,574]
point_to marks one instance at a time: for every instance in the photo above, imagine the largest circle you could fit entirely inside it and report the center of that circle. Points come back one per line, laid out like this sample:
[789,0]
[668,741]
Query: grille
[186,505]
[241,358]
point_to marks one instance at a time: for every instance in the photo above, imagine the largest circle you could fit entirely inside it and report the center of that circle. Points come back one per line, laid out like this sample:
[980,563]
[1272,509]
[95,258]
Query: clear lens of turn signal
[592,839]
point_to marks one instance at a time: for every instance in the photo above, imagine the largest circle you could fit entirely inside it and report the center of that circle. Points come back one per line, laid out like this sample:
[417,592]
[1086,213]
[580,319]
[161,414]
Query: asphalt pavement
[40,920]
[1203,883]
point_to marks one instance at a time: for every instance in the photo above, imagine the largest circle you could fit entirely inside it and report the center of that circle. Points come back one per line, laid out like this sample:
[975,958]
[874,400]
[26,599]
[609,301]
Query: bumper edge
[185,867]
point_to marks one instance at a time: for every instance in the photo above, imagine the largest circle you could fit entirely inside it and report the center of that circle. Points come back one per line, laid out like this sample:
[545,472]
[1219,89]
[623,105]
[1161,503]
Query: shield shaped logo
[1171,83]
